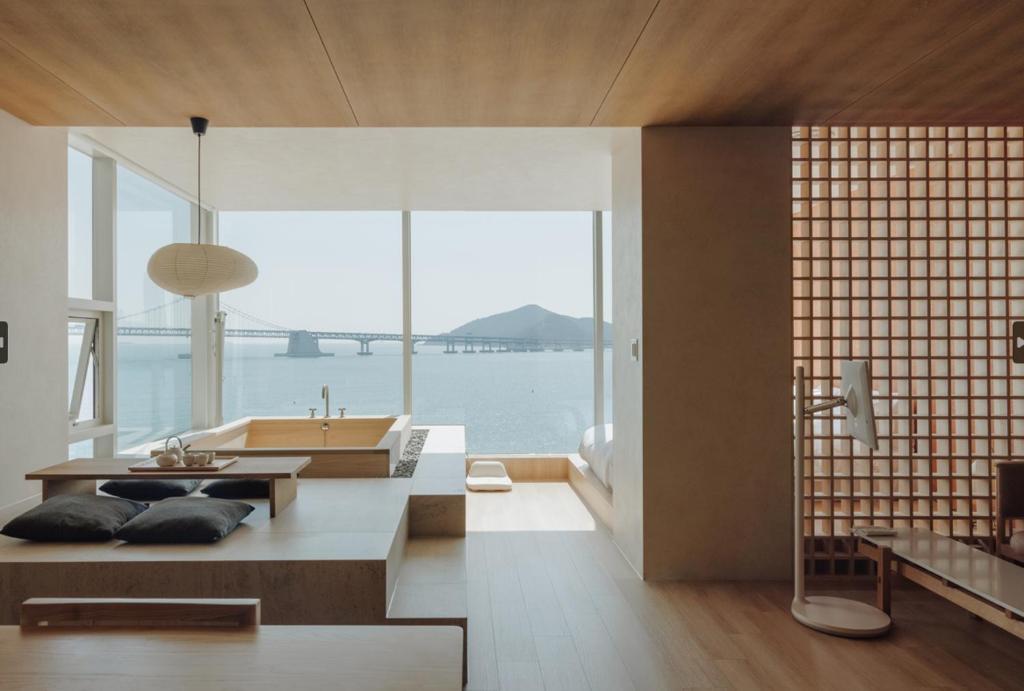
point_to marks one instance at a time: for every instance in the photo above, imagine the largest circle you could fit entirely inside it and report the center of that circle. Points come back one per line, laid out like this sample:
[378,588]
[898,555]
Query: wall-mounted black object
[3,342]
[1018,342]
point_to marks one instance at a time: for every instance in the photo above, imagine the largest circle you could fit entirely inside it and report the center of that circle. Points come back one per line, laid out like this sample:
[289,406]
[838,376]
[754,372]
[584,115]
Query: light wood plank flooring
[530,506]
[553,606]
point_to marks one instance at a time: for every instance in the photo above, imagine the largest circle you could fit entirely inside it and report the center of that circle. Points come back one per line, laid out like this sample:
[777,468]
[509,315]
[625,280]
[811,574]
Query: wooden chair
[165,613]
[1009,506]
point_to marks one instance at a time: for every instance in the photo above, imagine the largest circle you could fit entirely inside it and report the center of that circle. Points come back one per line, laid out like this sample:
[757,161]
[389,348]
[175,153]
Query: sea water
[509,402]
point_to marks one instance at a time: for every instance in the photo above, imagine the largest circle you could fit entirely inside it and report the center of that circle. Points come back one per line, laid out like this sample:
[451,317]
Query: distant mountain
[532,321]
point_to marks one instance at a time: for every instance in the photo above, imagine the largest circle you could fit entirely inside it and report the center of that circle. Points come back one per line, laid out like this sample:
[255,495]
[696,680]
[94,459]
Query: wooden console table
[986,586]
[79,476]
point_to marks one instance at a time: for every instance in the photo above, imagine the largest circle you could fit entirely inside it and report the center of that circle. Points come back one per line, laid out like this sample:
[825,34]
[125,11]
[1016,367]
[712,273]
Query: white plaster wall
[627,377]
[33,300]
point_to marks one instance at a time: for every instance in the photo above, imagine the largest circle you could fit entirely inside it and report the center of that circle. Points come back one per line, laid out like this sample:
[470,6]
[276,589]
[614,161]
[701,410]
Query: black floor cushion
[238,489]
[149,490]
[74,518]
[185,520]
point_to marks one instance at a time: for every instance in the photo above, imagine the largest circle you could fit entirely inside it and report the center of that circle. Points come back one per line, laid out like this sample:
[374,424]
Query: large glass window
[326,309]
[503,324]
[81,449]
[154,371]
[79,224]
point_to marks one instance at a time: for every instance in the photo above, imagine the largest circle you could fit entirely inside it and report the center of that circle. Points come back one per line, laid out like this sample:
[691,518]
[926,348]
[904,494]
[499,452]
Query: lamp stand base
[841,617]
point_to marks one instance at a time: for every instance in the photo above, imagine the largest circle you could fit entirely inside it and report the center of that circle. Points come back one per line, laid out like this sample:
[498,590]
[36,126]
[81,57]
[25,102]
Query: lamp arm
[825,405]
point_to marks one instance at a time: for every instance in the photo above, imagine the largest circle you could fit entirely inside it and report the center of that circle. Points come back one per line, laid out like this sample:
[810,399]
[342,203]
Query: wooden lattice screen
[908,251]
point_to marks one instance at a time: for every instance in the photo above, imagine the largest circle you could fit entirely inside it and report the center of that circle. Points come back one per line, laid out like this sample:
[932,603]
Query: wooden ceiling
[282,63]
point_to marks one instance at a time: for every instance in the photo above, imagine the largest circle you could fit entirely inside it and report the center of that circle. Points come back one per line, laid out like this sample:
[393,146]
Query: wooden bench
[169,612]
[986,586]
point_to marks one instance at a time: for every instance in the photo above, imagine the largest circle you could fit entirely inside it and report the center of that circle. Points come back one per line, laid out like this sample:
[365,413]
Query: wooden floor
[559,608]
[530,506]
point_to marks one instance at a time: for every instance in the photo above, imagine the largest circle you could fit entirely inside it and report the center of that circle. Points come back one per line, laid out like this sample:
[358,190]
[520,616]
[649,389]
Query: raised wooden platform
[334,557]
[323,561]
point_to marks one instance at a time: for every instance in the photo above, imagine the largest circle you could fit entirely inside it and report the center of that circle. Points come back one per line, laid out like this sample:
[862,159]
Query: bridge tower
[303,344]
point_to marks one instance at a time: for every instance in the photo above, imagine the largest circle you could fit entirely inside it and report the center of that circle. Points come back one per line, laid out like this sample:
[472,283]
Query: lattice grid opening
[908,251]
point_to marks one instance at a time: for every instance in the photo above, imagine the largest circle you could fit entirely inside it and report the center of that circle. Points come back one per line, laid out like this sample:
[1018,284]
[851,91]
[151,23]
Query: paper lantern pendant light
[188,269]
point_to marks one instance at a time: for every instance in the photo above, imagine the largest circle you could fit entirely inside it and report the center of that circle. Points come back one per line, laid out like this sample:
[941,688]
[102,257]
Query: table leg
[52,488]
[282,493]
[883,591]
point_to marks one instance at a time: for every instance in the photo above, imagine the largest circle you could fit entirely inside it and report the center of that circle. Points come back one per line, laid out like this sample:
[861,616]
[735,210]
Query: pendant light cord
[199,188]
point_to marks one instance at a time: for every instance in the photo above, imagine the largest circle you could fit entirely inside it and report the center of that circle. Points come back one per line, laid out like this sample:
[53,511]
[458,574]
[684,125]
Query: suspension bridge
[157,321]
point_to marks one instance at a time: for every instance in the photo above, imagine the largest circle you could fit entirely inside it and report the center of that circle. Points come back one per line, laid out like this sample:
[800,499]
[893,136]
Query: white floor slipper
[488,476]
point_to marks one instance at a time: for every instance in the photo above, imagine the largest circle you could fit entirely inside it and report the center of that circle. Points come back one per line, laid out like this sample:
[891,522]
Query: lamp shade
[194,269]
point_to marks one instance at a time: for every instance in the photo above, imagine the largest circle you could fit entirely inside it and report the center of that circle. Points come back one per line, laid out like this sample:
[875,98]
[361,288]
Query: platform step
[431,586]
[437,501]
[431,580]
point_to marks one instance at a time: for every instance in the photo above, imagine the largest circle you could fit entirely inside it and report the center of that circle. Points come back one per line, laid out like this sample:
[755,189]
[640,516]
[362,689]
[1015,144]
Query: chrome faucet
[325,394]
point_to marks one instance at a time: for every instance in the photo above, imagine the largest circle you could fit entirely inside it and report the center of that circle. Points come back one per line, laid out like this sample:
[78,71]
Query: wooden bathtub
[338,447]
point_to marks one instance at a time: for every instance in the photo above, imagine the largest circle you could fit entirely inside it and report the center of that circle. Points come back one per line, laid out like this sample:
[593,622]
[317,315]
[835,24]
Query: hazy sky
[342,270]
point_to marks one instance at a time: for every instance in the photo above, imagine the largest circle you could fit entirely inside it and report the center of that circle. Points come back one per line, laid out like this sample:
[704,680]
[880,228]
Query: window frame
[206,322]
[98,315]
[88,356]
[208,380]
[205,310]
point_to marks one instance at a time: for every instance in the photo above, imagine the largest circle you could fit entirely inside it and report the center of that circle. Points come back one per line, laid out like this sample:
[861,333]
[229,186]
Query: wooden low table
[298,658]
[986,586]
[79,476]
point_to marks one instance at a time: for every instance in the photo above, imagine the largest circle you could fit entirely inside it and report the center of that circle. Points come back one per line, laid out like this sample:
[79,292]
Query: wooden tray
[150,466]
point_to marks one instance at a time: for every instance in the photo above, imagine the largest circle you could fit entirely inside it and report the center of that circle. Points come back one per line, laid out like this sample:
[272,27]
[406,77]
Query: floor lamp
[835,615]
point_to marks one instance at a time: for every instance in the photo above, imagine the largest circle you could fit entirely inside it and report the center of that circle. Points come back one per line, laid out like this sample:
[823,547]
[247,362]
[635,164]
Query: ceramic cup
[190,459]
[208,458]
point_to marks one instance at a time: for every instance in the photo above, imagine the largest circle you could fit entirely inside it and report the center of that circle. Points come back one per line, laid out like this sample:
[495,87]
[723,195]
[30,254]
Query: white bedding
[596,450]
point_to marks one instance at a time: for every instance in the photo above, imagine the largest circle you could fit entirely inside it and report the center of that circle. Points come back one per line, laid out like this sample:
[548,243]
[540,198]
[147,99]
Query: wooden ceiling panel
[977,77]
[238,62]
[465,63]
[29,92]
[779,62]
[295,63]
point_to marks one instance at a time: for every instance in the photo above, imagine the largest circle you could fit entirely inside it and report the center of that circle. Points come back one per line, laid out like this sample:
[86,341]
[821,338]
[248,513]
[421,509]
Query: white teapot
[166,460]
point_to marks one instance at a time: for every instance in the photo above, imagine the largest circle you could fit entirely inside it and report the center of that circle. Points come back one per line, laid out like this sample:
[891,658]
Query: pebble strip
[411,456]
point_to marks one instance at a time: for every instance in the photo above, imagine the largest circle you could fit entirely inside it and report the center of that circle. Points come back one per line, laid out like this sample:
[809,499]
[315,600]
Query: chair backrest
[1010,489]
[1009,501]
[167,613]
